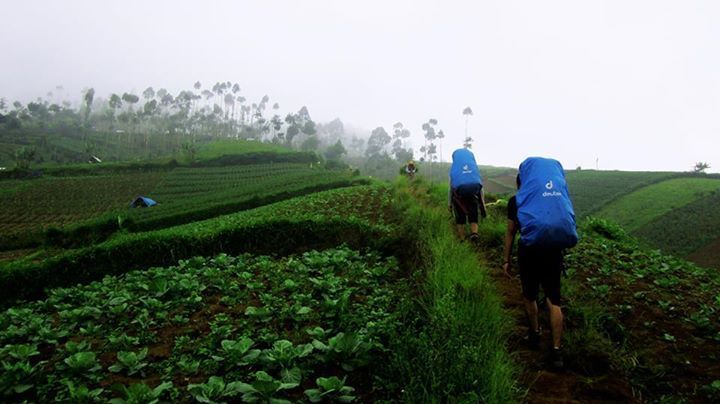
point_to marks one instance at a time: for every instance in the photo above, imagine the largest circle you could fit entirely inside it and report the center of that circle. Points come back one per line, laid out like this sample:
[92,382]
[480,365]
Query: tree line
[157,122]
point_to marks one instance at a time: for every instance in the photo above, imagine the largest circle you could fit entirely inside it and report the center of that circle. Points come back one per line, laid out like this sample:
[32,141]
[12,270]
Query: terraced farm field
[687,229]
[35,204]
[333,323]
[91,208]
[592,190]
[638,208]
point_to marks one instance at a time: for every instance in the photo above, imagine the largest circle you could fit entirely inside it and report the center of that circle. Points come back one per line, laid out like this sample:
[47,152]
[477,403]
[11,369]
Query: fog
[609,84]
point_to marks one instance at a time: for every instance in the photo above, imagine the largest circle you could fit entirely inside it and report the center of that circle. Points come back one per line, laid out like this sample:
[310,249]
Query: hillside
[75,205]
[313,320]
[688,230]
[675,215]
[591,190]
[638,208]
[364,288]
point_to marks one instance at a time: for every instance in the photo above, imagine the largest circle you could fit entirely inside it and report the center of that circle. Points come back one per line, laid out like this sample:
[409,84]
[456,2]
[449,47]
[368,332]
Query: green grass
[638,208]
[591,190]
[460,354]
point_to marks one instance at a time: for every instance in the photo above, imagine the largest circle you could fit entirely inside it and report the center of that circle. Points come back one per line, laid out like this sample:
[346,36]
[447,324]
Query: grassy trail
[459,354]
[540,383]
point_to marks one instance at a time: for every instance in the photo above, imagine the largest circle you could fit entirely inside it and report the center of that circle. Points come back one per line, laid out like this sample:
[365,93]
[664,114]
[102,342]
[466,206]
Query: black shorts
[540,266]
[465,202]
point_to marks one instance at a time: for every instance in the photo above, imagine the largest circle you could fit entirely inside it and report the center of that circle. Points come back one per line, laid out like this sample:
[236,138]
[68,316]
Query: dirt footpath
[542,383]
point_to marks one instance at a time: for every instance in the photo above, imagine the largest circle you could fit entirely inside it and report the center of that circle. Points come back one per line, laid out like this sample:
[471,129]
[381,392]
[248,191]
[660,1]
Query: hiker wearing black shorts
[539,266]
[465,196]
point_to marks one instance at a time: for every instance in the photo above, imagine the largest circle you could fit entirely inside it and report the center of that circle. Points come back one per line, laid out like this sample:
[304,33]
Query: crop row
[634,210]
[686,229]
[193,207]
[246,328]
[591,190]
[357,216]
[46,202]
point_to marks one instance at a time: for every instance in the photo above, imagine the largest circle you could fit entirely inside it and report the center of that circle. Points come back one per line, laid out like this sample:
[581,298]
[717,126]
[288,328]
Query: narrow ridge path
[543,384]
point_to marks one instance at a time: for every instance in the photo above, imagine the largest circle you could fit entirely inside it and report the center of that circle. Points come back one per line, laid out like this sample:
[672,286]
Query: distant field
[591,190]
[228,147]
[34,204]
[184,194]
[638,208]
[687,230]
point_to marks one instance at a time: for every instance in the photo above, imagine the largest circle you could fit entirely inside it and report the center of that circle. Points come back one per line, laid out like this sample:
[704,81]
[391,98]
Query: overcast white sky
[635,84]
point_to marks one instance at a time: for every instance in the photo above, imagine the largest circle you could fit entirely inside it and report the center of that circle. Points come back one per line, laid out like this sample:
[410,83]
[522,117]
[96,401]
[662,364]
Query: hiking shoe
[533,339]
[556,357]
[474,238]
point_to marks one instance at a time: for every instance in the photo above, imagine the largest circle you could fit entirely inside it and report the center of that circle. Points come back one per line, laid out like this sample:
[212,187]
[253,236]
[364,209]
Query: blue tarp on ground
[142,202]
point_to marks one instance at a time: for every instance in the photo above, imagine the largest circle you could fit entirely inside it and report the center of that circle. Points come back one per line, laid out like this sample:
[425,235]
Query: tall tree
[130,99]
[89,96]
[467,112]
[400,132]
[148,94]
[379,138]
[430,135]
[335,151]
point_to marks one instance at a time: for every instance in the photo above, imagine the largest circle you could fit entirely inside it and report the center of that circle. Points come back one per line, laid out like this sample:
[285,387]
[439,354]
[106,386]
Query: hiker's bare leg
[531,309]
[556,323]
[474,228]
[461,231]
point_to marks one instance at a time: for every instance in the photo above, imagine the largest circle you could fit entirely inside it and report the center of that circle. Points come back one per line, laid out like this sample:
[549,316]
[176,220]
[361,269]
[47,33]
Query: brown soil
[708,255]
[543,384]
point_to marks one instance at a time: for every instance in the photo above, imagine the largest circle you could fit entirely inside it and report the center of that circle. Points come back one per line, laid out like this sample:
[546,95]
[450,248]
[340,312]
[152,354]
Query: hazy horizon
[634,85]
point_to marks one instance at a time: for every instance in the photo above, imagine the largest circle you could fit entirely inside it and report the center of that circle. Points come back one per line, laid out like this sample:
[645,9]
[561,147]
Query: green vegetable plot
[246,328]
[591,190]
[189,195]
[634,210]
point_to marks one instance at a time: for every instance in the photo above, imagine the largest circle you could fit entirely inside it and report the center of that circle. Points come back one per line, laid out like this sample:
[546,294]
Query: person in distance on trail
[543,214]
[466,193]
[410,169]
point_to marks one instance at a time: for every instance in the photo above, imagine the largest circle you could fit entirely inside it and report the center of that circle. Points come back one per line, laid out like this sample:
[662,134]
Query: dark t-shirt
[512,211]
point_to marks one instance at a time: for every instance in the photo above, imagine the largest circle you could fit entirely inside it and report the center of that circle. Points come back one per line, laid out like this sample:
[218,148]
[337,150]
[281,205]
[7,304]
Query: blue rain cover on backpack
[545,212]
[464,169]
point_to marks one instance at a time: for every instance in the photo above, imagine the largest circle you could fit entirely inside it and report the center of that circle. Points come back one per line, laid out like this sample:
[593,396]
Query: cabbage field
[227,328]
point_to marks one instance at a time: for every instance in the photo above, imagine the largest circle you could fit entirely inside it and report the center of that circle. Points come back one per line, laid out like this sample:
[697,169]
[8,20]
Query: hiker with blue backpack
[466,195]
[543,214]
